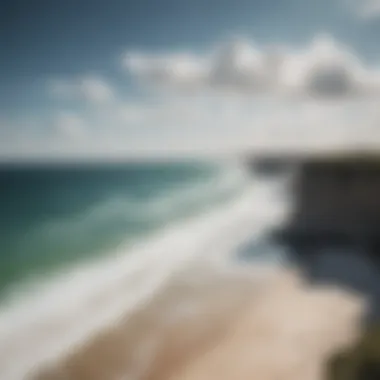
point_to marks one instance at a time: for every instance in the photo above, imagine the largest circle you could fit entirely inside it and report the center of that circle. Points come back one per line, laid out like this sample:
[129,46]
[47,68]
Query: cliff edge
[336,199]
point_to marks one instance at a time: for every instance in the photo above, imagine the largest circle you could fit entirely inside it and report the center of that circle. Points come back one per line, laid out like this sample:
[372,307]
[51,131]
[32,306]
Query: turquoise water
[54,216]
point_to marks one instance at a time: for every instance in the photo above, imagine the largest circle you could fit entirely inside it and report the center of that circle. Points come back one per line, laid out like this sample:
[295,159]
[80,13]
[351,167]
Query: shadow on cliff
[353,268]
[356,268]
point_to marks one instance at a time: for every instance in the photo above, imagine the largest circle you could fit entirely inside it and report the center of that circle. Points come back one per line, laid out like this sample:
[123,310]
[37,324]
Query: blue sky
[55,54]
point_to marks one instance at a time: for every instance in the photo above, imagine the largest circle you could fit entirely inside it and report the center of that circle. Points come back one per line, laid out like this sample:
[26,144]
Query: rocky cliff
[335,199]
[340,195]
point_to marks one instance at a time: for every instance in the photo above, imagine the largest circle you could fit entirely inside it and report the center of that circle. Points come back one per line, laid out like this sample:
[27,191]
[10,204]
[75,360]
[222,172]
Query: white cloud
[130,113]
[70,126]
[89,88]
[238,64]
[181,70]
[325,69]
[224,114]
[95,90]
[207,125]
[371,9]
[364,9]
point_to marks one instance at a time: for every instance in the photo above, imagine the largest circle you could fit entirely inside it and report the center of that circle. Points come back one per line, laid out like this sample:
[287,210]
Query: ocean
[84,246]
[52,217]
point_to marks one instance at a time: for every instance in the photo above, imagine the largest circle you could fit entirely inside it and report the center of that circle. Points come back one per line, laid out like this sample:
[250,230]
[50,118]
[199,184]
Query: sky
[116,78]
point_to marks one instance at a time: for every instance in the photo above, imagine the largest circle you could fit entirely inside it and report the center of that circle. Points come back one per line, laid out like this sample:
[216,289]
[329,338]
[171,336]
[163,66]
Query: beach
[231,326]
[202,296]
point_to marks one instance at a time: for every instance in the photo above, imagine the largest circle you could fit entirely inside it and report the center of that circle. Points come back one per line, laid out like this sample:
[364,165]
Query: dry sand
[220,329]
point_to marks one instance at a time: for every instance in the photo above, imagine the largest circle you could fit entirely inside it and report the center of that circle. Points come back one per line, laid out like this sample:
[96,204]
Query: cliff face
[333,231]
[338,197]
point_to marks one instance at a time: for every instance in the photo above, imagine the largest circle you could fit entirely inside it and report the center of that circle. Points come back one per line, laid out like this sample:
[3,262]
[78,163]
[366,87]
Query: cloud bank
[237,97]
[324,69]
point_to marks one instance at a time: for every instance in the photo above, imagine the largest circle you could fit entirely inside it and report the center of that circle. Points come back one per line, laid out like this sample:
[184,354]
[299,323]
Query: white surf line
[69,310]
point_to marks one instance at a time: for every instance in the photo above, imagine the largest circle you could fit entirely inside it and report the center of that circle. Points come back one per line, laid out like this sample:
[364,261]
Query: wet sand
[220,327]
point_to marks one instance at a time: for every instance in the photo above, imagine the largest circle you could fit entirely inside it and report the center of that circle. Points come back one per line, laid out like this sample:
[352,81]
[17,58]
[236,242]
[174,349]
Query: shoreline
[205,330]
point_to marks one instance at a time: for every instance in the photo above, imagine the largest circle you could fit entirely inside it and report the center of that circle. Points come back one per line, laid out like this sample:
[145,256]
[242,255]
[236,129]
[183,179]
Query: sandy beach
[224,327]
